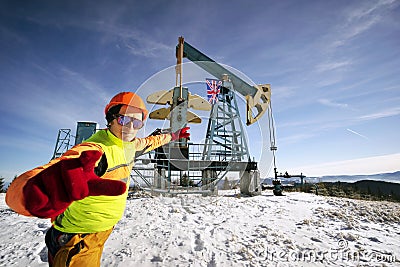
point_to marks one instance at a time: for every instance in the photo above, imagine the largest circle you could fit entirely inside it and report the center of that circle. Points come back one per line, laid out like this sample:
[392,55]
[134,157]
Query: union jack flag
[213,89]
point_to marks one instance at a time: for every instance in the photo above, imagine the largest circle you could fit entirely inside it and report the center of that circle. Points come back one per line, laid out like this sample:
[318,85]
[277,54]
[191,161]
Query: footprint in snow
[156,259]
[199,244]
[374,239]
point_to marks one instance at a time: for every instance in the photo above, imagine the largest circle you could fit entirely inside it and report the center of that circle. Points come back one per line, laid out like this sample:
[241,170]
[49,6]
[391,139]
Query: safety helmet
[130,99]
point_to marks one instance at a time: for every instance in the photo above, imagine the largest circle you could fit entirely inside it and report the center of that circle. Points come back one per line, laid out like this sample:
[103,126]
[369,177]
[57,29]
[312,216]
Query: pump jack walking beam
[257,97]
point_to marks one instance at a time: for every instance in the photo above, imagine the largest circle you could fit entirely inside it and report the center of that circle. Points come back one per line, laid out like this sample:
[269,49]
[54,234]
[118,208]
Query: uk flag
[213,89]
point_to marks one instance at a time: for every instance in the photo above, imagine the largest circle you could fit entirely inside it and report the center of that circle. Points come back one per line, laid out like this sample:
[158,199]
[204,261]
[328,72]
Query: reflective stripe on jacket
[99,213]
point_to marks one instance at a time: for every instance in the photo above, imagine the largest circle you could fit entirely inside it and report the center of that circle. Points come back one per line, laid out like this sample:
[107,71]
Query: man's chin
[128,136]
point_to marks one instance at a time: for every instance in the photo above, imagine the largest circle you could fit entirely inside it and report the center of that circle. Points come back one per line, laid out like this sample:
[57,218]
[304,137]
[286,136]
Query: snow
[297,229]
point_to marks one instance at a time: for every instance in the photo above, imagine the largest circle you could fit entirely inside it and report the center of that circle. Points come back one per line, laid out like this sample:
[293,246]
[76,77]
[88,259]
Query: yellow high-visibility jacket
[93,213]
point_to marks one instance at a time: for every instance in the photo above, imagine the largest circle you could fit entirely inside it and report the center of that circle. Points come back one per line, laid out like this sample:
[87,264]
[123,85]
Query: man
[84,191]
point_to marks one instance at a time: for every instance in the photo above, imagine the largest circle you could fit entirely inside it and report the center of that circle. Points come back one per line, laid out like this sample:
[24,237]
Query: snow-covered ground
[294,230]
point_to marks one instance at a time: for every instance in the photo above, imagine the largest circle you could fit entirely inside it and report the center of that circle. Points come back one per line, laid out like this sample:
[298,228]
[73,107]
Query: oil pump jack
[225,148]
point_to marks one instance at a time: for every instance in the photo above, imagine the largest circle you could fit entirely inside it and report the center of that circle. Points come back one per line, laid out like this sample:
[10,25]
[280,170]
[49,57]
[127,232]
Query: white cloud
[368,10]
[92,87]
[12,36]
[111,30]
[382,114]
[145,48]
[362,18]
[353,31]
[295,138]
[333,65]
[356,133]
[331,103]
[284,91]
[371,165]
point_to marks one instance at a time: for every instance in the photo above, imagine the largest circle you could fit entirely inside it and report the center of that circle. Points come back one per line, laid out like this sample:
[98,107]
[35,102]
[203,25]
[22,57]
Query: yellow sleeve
[152,142]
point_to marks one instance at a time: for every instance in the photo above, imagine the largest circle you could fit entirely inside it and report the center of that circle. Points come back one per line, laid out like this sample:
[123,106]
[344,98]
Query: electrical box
[84,130]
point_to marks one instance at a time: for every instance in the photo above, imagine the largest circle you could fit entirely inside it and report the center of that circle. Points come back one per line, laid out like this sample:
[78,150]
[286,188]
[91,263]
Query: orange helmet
[130,99]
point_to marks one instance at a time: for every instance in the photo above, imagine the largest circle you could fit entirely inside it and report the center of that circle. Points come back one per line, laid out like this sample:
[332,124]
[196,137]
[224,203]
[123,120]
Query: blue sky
[334,68]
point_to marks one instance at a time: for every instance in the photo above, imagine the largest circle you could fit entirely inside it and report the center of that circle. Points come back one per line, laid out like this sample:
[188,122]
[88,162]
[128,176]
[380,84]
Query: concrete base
[208,176]
[250,183]
[159,179]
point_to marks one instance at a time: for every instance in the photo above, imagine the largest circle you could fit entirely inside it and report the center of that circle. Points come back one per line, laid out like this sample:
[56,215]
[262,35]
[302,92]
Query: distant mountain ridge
[393,177]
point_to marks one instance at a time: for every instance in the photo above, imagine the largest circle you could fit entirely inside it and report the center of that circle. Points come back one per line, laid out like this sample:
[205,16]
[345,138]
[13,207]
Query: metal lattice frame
[63,142]
[225,136]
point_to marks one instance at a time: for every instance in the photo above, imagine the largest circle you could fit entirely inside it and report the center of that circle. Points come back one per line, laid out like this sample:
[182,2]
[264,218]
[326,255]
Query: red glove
[181,133]
[52,190]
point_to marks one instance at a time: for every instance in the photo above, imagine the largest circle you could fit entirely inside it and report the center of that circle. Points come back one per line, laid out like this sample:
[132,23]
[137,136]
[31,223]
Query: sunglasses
[125,120]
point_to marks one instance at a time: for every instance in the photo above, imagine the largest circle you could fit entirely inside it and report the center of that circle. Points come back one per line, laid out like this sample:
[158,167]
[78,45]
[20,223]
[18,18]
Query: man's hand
[52,190]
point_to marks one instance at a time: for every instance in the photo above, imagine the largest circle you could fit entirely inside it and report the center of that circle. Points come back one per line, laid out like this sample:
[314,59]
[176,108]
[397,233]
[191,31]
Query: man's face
[127,132]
